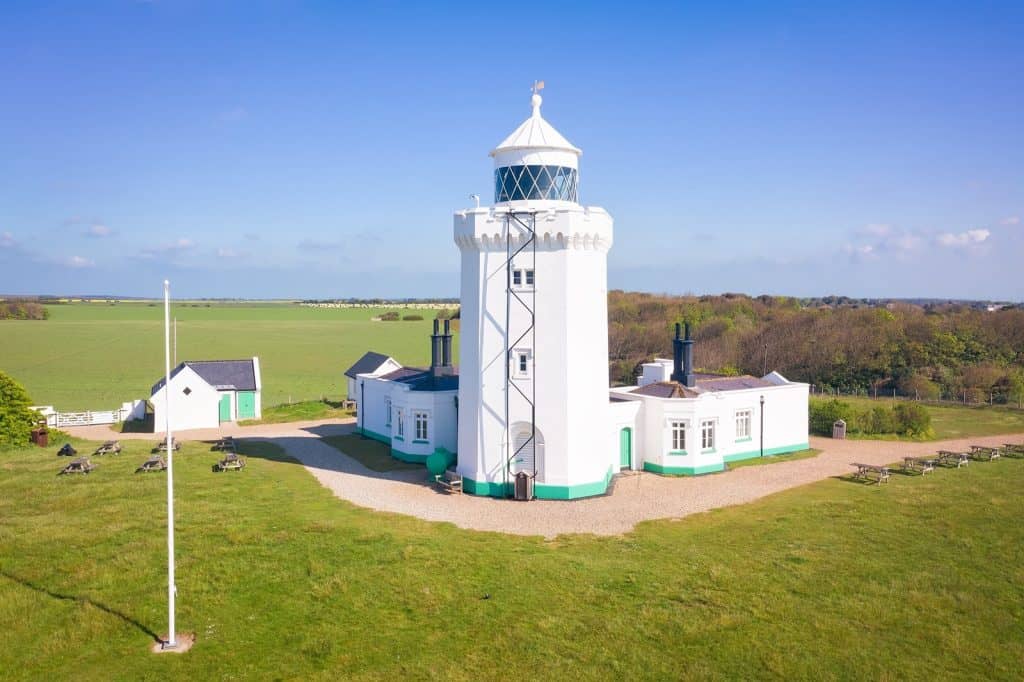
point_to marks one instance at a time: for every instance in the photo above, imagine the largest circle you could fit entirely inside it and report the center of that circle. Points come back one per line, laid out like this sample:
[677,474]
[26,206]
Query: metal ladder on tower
[524,223]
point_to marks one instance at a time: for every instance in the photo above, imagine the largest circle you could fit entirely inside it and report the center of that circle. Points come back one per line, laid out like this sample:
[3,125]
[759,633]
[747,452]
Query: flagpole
[172,640]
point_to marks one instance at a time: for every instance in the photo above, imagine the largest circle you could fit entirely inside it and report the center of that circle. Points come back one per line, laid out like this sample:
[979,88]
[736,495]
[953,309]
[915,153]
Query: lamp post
[762,426]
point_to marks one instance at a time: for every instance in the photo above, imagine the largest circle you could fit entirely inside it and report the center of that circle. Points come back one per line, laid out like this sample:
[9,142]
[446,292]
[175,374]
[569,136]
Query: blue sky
[280,149]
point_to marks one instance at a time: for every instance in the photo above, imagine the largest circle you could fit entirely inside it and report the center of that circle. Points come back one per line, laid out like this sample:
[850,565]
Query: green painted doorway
[246,404]
[626,448]
[225,407]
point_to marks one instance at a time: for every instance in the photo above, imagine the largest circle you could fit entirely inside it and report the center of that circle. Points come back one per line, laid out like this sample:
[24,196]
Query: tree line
[932,351]
[22,309]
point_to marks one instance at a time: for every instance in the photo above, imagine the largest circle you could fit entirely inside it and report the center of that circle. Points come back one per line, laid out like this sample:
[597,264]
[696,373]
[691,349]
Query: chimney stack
[682,358]
[441,350]
[446,346]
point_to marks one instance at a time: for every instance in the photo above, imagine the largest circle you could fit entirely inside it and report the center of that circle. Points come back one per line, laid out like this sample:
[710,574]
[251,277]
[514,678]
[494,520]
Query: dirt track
[634,497]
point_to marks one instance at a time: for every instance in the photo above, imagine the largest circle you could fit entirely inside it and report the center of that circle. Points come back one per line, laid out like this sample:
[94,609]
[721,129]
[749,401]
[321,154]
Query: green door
[626,448]
[246,404]
[225,407]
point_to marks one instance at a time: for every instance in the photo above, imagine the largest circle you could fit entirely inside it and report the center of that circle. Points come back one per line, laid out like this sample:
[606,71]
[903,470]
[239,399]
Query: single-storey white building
[207,393]
[413,410]
[371,364]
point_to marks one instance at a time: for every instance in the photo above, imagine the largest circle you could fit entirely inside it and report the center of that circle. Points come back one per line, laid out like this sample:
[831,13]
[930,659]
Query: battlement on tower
[564,227]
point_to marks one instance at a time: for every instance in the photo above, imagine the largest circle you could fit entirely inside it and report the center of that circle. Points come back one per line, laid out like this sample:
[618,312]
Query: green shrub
[16,420]
[824,415]
[412,318]
[880,420]
[912,419]
[391,316]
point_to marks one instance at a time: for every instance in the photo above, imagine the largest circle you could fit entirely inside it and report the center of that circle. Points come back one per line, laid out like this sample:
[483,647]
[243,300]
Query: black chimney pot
[446,345]
[682,358]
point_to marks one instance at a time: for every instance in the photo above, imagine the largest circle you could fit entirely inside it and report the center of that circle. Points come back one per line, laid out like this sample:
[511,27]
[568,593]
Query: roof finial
[536,100]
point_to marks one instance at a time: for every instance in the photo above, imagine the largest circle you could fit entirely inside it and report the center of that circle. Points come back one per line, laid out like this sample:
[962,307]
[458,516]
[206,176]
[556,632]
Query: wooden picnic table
[154,463]
[879,474]
[924,464]
[231,461]
[1013,448]
[161,445]
[111,447]
[449,481]
[225,443]
[950,457]
[81,465]
[984,452]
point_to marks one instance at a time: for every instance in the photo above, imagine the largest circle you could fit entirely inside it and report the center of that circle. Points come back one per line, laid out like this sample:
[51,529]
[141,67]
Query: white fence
[87,418]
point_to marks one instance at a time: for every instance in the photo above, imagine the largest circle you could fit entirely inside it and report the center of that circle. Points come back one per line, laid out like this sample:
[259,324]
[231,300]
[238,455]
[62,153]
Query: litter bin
[524,486]
[839,429]
[41,436]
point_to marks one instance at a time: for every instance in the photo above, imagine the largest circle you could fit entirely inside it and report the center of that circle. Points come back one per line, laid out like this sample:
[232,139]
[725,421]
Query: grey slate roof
[369,363]
[423,379]
[238,375]
[706,383]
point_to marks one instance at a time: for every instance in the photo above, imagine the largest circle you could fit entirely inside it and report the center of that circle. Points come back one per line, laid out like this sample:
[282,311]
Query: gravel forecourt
[632,497]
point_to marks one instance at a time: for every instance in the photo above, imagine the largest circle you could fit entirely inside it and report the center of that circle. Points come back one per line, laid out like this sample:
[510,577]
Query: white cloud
[78,262]
[179,246]
[877,239]
[875,230]
[99,231]
[1011,220]
[963,239]
[7,240]
[227,252]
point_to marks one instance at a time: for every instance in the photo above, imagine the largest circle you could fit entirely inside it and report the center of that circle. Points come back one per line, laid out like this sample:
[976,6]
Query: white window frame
[529,278]
[420,420]
[387,412]
[744,424]
[519,355]
[681,426]
[400,429]
[707,435]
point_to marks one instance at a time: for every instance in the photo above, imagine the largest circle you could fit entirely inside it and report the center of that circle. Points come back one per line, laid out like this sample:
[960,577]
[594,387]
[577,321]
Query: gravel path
[634,497]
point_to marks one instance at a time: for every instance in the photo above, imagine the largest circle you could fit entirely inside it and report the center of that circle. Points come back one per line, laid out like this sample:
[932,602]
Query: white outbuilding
[207,393]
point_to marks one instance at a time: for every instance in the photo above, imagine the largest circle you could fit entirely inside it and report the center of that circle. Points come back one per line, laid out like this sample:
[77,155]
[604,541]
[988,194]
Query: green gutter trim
[750,454]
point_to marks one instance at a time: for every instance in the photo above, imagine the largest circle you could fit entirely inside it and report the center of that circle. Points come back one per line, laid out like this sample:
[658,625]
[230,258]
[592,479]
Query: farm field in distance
[919,578]
[94,356]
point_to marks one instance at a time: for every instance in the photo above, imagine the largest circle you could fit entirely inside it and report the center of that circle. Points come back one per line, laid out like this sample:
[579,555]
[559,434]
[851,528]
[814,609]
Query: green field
[918,579]
[93,356]
[953,421]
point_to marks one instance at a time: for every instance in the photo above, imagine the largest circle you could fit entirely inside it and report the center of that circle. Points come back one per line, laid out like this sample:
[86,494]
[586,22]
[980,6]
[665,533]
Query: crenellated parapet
[565,227]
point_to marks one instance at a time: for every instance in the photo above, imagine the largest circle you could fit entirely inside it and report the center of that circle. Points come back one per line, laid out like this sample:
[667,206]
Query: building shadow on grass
[80,600]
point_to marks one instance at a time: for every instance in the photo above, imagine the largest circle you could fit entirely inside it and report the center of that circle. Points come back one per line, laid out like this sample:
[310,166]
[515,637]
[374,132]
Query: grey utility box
[839,429]
[524,486]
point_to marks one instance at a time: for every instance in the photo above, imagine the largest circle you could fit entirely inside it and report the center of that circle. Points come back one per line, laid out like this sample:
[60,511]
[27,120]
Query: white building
[412,410]
[533,405]
[207,393]
[371,364]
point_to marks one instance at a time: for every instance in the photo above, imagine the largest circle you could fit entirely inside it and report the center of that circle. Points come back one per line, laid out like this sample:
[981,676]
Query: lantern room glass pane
[520,183]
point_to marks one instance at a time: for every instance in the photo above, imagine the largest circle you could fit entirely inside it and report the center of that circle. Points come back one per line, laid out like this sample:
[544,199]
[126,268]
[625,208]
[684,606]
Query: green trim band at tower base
[542,491]
[784,450]
[683,471]
[408,456]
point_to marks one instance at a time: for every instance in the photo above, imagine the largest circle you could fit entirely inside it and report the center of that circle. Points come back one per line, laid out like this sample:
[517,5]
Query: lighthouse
[533,399]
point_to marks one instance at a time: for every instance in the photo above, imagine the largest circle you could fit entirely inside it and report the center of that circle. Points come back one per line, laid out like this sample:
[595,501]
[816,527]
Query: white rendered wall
[197,410]
[785,426]
[438,405]
[571,352]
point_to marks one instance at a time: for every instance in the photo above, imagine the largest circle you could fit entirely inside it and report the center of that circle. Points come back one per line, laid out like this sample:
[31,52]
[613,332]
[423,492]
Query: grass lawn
[372,454]
[953,421]
[774,459]
[91,356]
[304,411]
[918,579]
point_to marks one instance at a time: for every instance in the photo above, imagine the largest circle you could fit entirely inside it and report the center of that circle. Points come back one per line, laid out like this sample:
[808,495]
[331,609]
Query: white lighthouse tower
[533,389]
